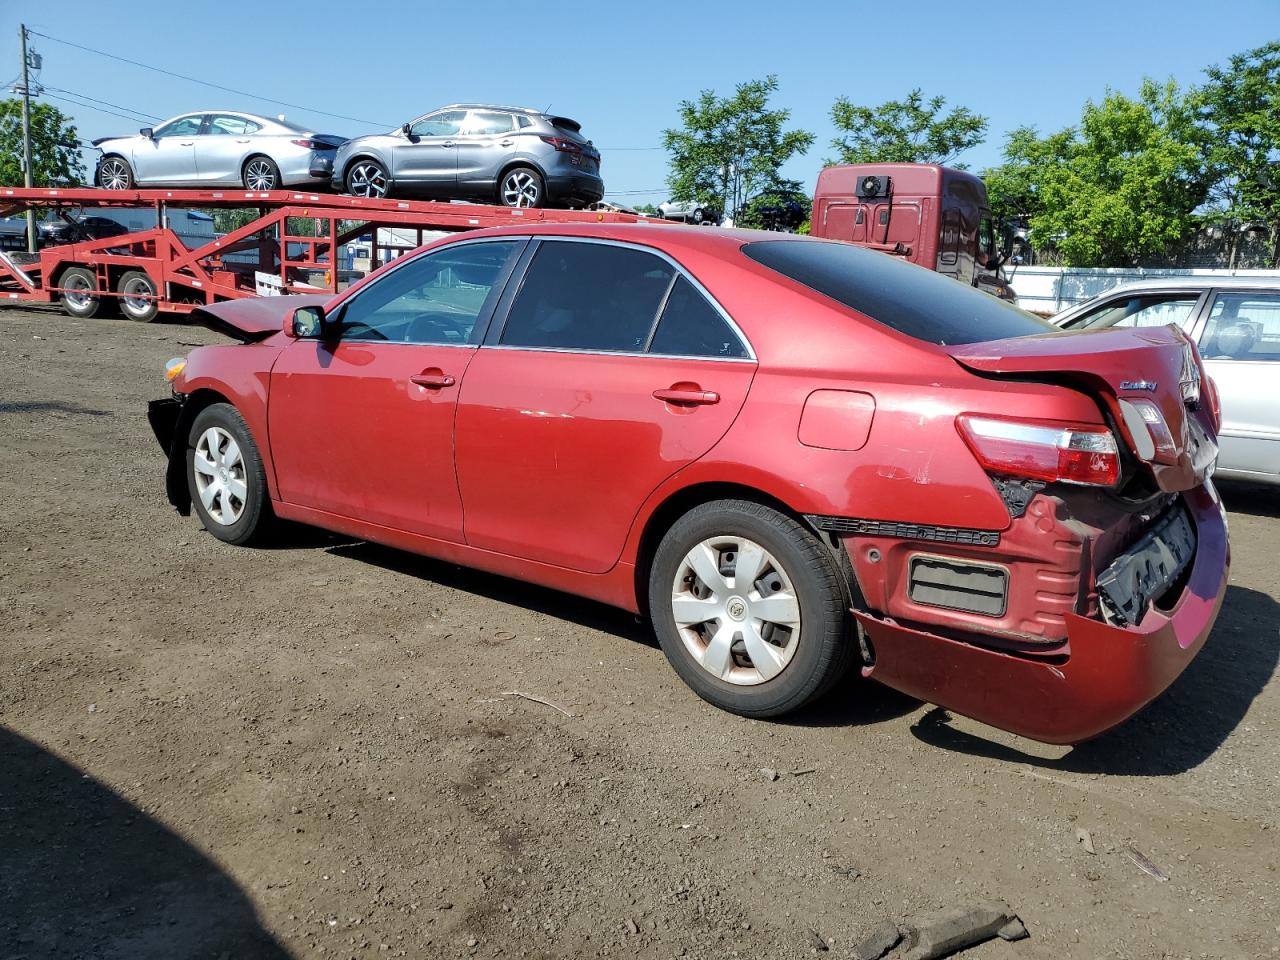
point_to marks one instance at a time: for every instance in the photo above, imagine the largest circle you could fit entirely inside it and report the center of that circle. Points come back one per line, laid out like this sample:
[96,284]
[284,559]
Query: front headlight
[173,368]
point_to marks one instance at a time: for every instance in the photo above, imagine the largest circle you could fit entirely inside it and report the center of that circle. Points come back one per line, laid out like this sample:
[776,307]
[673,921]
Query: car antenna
[547,110]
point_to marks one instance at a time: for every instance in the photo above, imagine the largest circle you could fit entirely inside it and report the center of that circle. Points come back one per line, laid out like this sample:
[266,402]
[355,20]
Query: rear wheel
[114,173]
[261,173]
[749,608]
[225,477]
[367,178]
[522,187]
[138,296]
[80,293]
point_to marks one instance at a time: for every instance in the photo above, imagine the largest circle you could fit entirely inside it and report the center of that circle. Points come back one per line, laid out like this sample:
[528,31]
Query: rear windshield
[900,295]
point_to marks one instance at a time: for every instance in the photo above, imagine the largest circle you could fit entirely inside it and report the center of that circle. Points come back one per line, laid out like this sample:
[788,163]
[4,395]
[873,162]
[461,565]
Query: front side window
[691,327]
[446,124]
[224,124]
[182,127]
[486,123]
[437,298]
[588,296]
[1243,326]
[1147,310]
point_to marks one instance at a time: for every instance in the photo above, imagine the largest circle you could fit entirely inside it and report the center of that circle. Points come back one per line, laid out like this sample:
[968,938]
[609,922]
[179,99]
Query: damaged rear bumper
[1105,674]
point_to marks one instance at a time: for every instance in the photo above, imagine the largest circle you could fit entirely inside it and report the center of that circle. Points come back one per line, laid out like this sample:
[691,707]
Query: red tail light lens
[1043,449]
[562,145]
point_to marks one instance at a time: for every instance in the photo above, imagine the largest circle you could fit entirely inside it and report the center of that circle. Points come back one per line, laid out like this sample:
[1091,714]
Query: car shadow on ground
[565,606]
[1182,727]
[1255,499]
[84,873]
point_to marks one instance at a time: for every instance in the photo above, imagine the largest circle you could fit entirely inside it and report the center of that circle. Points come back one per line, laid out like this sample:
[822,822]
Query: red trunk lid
[1154,364]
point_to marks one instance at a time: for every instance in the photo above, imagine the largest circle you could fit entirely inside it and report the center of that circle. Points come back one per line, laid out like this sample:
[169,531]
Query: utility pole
[26,137]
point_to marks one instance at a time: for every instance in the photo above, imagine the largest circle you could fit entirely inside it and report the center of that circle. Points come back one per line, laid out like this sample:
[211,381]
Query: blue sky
[622,68]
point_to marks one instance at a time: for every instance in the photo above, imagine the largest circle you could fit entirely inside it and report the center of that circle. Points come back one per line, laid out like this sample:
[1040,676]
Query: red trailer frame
[186,278]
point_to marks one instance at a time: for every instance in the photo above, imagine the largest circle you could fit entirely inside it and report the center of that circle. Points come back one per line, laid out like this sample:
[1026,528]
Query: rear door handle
[185,143]
[505,143]
[447,143]
[686,397]
[432,379]
[242,141]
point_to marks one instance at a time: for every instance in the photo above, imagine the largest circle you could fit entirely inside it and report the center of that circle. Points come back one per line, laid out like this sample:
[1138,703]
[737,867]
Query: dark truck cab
[932,215]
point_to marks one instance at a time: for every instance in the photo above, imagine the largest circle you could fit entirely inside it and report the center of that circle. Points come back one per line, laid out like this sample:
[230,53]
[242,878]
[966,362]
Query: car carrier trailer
[291,245]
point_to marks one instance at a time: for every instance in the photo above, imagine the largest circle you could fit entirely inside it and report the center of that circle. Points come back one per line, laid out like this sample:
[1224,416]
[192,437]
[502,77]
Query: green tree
[1123,186]
[914,130]
[55,146]
[1239,111]
[780,206]
[730,148]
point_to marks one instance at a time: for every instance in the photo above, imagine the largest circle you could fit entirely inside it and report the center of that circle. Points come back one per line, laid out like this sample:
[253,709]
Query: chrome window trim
[679,270]
[617,353]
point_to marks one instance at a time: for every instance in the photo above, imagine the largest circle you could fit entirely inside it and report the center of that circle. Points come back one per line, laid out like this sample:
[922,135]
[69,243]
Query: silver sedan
[1236,322]
[218,148]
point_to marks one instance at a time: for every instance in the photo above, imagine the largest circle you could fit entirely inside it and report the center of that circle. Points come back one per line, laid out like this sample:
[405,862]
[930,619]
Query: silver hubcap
[258,175]
[137,293]
[736,610]
[520,189]
[113,175]
[76,292]
[220,480]
[367,180]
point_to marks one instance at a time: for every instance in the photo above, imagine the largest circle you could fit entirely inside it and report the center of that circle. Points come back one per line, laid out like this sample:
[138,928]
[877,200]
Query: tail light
[1043,449]
[562,145]
[313,144]
[1150,433]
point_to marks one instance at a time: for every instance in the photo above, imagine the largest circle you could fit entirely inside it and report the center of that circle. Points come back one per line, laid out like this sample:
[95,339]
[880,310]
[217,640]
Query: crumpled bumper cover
[1106,674]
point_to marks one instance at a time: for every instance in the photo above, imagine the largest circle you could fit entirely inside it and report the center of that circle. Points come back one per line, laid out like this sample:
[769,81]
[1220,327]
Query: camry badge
[1148,385]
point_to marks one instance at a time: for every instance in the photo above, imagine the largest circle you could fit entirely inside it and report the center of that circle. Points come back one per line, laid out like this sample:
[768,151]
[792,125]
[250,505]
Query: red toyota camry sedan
[793,456]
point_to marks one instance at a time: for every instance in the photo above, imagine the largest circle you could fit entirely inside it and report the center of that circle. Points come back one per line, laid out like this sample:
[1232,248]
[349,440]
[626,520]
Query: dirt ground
[310,750]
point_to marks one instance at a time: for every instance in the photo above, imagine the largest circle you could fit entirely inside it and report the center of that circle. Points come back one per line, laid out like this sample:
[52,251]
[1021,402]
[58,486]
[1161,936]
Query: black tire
[80,297]
[260,173]
[698,216]
[114,173]
[135,284]
[366,170]
[254,519]
[825,647]
[522,181]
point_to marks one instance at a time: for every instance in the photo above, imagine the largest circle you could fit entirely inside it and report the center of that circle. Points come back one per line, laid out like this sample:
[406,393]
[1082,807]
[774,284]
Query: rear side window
[692,327]
[486,122]
[899,295]
[1146,310]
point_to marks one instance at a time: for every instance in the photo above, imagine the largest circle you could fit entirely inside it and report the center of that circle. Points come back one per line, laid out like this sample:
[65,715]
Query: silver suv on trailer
[470,151]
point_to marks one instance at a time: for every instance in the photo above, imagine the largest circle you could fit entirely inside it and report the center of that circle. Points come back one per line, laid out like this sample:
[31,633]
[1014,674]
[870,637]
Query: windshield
[899,295]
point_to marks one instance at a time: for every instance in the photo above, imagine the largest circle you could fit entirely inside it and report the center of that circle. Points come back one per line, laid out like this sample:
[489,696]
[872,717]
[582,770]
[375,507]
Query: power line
[106,103]
[208,83]
[89,106]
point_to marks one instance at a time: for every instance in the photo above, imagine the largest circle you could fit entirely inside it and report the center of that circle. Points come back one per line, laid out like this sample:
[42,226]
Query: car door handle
[683,396]
[432,379]
[447,143]
[246,140]
[185,143]
[505,143]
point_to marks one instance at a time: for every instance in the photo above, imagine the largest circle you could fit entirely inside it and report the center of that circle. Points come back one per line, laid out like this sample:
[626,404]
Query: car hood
[1155,364]
[254,318]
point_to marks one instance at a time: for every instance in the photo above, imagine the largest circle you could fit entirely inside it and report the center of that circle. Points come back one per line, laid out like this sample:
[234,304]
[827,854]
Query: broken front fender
[1106,675]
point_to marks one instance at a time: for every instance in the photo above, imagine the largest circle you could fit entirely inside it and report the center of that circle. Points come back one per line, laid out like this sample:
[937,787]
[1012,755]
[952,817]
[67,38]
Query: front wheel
[749,608]
[225,477]
[114,173]
[367,178]
[522,187]
[261,173]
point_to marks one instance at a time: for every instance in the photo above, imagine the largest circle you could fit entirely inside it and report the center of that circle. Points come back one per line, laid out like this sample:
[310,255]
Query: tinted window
[480,122]
[235,126]
[588,296]
[907,298]
[439,124]
[692,327]
[1149,310]
[1243,326]
[184,127]
[437,298]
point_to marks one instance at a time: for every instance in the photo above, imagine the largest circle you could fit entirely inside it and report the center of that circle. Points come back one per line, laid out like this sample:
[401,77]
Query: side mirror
[305,323]
[148,133]
[406,130]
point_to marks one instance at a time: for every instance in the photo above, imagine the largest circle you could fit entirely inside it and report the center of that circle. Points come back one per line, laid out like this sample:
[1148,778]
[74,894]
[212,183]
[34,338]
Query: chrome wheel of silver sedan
[261,174]
[114,174]
[219,475]
[367,179]
[521,188]
[736,610]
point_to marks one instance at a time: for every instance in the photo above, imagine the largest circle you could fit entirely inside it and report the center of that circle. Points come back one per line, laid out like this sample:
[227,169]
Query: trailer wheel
[137,296]
[80,293]
[114,173]
[260,173]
